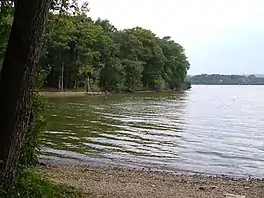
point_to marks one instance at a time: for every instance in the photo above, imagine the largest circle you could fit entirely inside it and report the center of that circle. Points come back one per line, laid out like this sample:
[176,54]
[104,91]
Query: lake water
[209,129]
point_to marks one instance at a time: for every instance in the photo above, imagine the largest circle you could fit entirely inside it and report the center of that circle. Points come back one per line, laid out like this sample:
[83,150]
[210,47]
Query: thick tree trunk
[17,83]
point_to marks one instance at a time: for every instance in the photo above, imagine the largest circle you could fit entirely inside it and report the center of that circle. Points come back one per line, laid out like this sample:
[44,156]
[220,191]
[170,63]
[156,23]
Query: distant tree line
[83,53]
[218,79]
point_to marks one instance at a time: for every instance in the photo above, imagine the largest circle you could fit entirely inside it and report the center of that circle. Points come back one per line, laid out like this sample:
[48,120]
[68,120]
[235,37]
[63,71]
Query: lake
[208,129]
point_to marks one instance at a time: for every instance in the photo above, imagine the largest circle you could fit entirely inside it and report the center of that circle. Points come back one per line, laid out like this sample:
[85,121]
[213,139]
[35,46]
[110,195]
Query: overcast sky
[219,36]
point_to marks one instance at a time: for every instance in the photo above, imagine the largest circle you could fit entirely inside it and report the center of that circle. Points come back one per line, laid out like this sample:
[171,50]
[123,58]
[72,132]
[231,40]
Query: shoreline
[57,161]
[132,182]
[71,93]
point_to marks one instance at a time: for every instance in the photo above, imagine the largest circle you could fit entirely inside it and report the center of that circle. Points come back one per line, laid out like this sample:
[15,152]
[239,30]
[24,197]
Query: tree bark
[17,83]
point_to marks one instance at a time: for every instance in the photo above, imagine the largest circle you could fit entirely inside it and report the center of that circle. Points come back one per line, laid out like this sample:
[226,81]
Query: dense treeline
[82,53]
[217,79]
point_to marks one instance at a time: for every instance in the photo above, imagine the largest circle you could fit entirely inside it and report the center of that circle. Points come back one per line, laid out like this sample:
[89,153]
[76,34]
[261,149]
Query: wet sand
[126,183]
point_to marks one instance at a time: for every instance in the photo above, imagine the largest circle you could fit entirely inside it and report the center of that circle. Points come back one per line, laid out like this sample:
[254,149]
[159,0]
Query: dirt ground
[126,183]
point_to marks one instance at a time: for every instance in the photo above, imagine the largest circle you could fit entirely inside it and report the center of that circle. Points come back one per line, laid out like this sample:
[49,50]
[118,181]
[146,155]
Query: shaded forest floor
[114,182]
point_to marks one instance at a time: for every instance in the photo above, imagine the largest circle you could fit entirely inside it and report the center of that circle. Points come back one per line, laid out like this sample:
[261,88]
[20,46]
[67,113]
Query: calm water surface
[209,129]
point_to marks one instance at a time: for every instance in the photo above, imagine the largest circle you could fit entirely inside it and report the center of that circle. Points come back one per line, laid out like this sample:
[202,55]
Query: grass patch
[35,185]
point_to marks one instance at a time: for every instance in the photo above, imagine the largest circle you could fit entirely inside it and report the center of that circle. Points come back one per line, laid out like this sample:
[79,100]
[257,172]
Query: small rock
[228,195]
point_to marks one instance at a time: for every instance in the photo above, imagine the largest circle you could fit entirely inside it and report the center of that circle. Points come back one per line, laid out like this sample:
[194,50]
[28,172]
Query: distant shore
[122,182]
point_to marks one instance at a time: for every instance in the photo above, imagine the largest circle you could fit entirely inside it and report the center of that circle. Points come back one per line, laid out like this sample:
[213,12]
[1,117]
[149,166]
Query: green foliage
[79,52]
[33,185]
[133,74]
[217,79]
[94,54]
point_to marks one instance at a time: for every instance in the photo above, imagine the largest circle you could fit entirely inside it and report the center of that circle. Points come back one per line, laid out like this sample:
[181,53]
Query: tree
[151,53]
[98,55]
[17,83]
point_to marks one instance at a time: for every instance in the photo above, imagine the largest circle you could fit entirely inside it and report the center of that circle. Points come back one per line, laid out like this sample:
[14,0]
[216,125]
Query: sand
[126,183]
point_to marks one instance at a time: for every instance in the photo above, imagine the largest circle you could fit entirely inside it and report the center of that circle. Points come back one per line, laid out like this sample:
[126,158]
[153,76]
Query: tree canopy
[80,52]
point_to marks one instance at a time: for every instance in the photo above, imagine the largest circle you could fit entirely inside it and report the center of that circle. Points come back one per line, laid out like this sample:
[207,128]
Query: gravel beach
[117,182]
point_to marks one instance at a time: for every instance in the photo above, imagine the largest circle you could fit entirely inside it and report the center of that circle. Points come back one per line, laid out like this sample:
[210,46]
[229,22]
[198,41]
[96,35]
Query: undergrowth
[34,185]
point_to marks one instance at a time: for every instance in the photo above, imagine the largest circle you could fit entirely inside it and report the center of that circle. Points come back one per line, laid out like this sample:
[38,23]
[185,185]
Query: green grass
[35,185]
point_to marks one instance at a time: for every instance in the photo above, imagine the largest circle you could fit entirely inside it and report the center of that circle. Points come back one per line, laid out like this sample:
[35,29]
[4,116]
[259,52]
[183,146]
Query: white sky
[220,36]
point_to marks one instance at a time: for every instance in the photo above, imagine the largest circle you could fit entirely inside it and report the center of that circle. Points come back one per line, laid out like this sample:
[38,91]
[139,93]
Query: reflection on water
[210,129]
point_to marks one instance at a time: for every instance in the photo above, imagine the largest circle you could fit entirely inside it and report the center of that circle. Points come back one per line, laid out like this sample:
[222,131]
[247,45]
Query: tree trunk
[87,84]
[17,83]
[62,76]
[59,87]
[75,84]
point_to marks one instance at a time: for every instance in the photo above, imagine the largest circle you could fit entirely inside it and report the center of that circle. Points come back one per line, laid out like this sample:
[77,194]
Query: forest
[94,55]
[218,79]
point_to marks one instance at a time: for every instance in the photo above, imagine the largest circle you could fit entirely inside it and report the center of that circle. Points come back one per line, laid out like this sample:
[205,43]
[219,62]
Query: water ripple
[217,131]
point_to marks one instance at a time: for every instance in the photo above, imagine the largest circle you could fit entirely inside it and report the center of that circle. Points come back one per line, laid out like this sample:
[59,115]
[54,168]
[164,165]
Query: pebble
[228,195]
